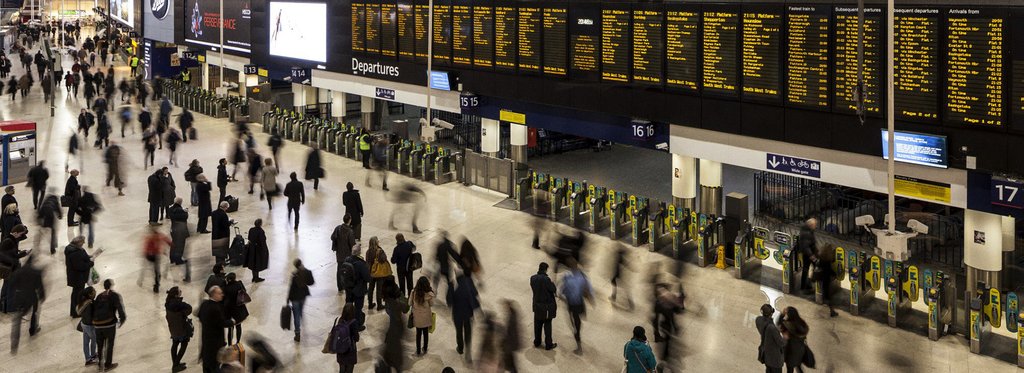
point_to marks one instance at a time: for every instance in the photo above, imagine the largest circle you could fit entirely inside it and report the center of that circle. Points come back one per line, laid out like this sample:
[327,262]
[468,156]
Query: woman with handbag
[380,269]
[179,325]
[794,330]
[422,316]
[638,354]
[235,299]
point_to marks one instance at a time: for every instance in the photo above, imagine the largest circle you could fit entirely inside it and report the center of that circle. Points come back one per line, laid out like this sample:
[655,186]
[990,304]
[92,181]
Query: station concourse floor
[717,330]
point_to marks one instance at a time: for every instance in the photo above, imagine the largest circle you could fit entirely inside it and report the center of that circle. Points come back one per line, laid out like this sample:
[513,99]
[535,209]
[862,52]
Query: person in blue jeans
[638,354]
[298,291]
[88,331]
[576,289]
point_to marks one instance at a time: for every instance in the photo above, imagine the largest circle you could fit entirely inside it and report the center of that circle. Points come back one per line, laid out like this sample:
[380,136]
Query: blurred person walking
[298,291]
[37,177]
[88,207]
[314,171]
[405,262]
[342,242]
[295,192]
[154,246]
[112,156]
[464,302]
[576,289]
[28,293]
[47,215]
[268,184]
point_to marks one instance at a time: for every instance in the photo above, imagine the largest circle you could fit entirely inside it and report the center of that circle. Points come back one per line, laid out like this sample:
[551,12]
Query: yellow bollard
[721,257]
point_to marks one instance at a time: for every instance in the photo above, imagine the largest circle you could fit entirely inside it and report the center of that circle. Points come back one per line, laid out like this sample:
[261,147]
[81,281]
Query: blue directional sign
[793,165]
[385,93]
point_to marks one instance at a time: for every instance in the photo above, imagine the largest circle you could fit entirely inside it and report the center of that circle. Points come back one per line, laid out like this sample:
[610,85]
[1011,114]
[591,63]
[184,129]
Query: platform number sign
[469,101]
[643,129]
[1008,193]
[250,69]
[300,75]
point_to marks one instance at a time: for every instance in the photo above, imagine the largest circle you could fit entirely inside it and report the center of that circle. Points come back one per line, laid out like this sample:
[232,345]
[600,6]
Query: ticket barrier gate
[522,190]
[330,136]
[352,144]
[265,120]
[619,210]
[865,280]
[937,298]
[540,184]
[659,224]
[446,165]
[302,130]
[709,238]
[404,156]
[415,158]
[427,163]
[901,288]
[578,202]
[558,192]
[640,208]
[599,207]
[684,228]
[391,159]
[1015,324]
[985,313]
[783,255]
[290,125]
[749,249]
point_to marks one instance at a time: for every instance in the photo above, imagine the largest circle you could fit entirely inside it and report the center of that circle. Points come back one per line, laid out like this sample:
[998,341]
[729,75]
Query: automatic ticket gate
[659,225]
[639,209]
[426,164]
[522,189]
[619,210]
[709,238]
[985,314]
[351,144]
[600,207]
[404,156]
[783,255]
[865,279]
[901,289]
[579,196]
[558,196]
[940,301]
[684,228]
[446,165]
[749,249]
[415,159]
[540,185]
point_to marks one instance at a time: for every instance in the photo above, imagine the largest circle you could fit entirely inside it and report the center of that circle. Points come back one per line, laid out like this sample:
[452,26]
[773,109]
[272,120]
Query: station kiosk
[18,139]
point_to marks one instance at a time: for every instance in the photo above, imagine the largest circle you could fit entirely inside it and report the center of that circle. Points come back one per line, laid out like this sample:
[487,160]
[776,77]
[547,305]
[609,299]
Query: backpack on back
[415,262]
[103,307]
[348,275]
[341,342]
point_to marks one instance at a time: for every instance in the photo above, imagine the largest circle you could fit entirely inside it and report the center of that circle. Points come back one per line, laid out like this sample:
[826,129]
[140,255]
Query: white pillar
[366,109]
[519,138]
[206,76]
[490,136]
[243,82]
[338,105]
[684,181]
[710,175]
[983,240]
[298,96]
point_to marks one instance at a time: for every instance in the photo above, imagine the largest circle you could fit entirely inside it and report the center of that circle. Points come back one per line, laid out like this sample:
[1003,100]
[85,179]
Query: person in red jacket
[154,245]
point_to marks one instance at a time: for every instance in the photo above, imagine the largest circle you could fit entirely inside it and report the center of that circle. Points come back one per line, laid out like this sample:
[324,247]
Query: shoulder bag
[760,347]
[328,349]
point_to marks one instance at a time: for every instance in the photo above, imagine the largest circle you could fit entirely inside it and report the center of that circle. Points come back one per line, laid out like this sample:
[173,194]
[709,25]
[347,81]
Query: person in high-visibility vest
[134,63]
[186,76]
[364,148]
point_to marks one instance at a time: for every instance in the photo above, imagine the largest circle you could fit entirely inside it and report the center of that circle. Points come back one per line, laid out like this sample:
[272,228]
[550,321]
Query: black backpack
[348,275]
[415,262]
[103,307]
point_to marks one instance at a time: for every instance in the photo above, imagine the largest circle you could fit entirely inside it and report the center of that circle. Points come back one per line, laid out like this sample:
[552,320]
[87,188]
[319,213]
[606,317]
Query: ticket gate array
[196,99]
[709,238]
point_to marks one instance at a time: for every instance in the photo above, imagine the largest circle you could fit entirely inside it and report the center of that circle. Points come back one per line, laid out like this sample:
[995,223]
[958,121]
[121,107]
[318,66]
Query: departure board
[615,48]
[807,82]
[529,39]
[847,30]
[442,44]
[585,32]
[505,37]
[1016,51]
[682,32]
[406,31]
[388,39]
[974,68]
[916,64]
[421,14]
[762,37]
[648,45]
[358,27]
[556,35]
[719,46]
[372,28]
[483,36]
[462,33]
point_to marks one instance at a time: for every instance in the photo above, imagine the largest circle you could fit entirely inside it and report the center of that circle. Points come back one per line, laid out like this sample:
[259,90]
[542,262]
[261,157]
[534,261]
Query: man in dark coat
[298,291]
[10,256]
[808,247]
[203,191]
[6,200]
[342,241]
[357,294]
[257,254]
[221,232]
[544,306]
[37,177]
[72,194]
[179,234]
[211,314]
[770,348]
[222,178]
[314,170]
[464,301]
[354,208]
[185,122]
[29,292]
[156,195]
[112,156]
[296,195]
[48,214]
[77,263]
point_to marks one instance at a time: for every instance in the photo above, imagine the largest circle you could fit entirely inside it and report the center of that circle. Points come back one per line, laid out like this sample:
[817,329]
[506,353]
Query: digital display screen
[585,30]
[442,34]
[615,44]
[406,31]
[298,30]
[648,45]
[682,32]
[974,68]
[421,14]
[483,36]
[462,34]
[916,148]
[439,80]
[358,27]
[372,27]
[530,19]
[719,46]
[505,37]
[203,21]
[847,32]
[807,80]
[555,40]
[762,38]
[916,64]
[388,35]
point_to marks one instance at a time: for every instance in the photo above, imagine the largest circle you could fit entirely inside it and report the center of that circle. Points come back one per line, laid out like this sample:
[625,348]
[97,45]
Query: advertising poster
[159,20]
[203,19]
[298,30]
[124,11]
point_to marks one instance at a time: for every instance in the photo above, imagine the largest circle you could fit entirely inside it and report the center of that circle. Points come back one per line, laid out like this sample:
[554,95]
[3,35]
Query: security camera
[865,220]
[917,226]
[443,124]
[423,122]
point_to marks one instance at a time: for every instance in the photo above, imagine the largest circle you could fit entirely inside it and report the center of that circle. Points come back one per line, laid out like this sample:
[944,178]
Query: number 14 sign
[1007,192]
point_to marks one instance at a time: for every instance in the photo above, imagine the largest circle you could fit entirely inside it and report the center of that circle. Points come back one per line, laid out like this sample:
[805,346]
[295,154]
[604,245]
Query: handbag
[63,201]
[5,270]
[808,357]
[190,329]
[380,268]
[78,327]
[243,297]
[433,322]
[760,347]
[328,346]
[409,324]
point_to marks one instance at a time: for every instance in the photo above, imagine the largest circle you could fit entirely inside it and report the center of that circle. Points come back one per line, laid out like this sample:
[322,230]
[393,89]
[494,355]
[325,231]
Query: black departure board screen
[762,40]
[615,47]
[846,72]
[406,31]
[585,32]
[529,39]
[388,20]
[648,44]
[719,46]
[462,33]
[807,81]
[682,35]
[916,64]
[442,44]
[556,35]
[974,68]
[483,36]
[373,27]
[422,15]
[1016,51]
[505,37]
[358,27]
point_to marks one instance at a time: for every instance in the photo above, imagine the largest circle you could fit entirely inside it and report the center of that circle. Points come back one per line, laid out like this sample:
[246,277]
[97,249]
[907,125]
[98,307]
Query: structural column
[366,108]
[243,82]
[338,108]
[710,174]
[684,181]
[490,136]
[519,138]
[206,75]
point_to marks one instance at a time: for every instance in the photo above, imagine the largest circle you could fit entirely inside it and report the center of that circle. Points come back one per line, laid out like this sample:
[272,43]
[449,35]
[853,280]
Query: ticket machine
[578,202]
[18,139]
[599,207]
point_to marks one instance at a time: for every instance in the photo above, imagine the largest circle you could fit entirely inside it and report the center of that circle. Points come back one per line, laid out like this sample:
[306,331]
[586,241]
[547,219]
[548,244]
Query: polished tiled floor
[717,330]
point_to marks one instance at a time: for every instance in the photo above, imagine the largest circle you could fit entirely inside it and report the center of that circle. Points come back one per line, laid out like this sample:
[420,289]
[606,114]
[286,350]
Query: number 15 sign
[1007,192]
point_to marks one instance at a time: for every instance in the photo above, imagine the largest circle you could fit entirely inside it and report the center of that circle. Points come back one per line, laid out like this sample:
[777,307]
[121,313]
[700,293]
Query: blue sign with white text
[439,80]
[917,148]
[387,94]
[793,165]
